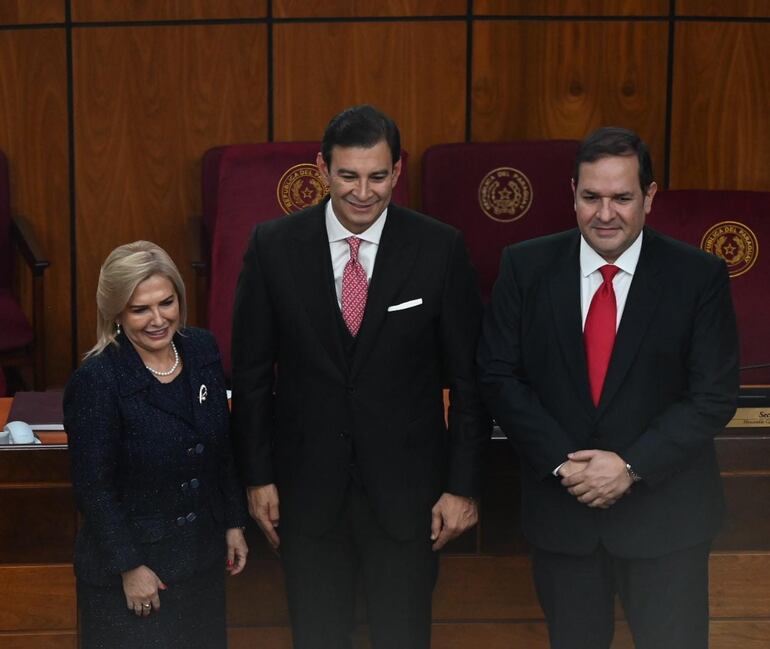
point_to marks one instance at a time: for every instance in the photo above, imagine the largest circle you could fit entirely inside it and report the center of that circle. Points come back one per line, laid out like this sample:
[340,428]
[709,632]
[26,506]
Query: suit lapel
[564,290]
[313,279]
[395,257]
[137,378]
[641,304]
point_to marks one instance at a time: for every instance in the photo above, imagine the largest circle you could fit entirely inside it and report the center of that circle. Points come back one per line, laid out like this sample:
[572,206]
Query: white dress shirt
[591,279]
[340,250]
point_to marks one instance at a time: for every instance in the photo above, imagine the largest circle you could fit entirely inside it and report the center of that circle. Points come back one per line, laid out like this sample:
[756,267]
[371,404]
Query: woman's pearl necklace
[173,367]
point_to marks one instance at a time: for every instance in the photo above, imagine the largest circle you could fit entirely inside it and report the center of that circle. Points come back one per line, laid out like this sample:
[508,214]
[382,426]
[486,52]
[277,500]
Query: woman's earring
[117,325]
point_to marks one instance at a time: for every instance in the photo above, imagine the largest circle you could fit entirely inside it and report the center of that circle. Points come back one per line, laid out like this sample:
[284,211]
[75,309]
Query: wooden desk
[484,596]
[37,532]
[5,407]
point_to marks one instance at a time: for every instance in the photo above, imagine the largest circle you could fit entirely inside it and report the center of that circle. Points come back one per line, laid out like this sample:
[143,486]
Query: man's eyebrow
[376,172]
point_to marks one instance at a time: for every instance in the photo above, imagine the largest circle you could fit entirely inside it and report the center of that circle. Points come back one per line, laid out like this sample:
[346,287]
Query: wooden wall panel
[739,634]
[262,637]
[744,8]
[37,525]
[551,80]
[33,134]
[262,582]
[739,584]
[25,466]
[149,102]
[66,640]
[725,634]
[415,72]
[111,10]
[570,7]
[485,588]
[37,597]
[14,12]
[743,529]
[720,128]
[359,8]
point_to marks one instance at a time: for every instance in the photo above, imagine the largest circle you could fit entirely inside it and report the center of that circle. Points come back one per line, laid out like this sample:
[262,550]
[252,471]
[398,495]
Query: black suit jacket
[671,386]
[134,455]
[303,411]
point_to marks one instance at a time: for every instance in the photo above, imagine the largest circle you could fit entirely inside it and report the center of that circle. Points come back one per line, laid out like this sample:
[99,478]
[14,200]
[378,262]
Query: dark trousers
[665,599]
[322,574]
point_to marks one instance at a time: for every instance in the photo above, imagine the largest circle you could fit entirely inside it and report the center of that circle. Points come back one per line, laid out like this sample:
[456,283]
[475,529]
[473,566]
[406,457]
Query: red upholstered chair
[21,342]
[734,225]
[498,193]
[245,184]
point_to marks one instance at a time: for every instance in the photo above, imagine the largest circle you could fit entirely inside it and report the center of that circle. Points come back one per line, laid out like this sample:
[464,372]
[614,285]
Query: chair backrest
[499,193]
[734,225]
[246,184]
[6,266]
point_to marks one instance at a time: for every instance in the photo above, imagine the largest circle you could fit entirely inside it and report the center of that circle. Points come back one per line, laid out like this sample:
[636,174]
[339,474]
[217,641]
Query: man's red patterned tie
[599,331]
[354,288]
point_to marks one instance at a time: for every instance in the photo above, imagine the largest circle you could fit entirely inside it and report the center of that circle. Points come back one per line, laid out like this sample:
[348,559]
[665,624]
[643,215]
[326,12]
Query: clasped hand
[596,478]
[140,587]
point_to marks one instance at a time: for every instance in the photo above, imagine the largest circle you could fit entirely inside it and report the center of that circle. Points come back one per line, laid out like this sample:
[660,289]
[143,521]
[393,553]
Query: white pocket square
[406,305]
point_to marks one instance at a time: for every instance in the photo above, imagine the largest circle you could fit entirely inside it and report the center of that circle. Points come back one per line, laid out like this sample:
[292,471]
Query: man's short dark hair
[360,126]
[614,141]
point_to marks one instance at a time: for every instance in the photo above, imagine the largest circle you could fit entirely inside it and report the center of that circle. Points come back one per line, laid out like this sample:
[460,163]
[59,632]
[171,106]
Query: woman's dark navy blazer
[153,478]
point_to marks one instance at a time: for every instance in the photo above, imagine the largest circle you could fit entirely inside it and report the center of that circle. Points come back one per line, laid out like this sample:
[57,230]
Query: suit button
[181,521]
[344,434]
[184,486]
[191,517]
[195,483]
[351,389]
[199,448]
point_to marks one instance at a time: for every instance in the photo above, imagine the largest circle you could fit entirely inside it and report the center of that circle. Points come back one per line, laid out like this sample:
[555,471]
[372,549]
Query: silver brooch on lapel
[203,392]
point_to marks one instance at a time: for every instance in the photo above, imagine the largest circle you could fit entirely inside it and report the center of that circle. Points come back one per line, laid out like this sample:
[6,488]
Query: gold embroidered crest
[735,243]
[301,186]
[505,194]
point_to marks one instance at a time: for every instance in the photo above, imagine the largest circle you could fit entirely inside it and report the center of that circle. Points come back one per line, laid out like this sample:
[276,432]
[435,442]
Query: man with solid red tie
[609,357]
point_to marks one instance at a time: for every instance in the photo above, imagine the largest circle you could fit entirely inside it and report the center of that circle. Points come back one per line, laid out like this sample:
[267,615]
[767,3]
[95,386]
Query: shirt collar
[338,232]
[591,261]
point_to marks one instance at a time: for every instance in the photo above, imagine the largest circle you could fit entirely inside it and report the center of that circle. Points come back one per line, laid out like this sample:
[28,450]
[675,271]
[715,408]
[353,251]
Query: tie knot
[608,272]
[354,243]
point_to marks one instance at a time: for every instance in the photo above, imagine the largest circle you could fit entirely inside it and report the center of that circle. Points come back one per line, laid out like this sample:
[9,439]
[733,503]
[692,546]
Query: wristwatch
[635,477]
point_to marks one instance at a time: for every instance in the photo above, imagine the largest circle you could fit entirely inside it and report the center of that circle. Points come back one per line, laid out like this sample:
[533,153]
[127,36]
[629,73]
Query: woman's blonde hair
[124,269]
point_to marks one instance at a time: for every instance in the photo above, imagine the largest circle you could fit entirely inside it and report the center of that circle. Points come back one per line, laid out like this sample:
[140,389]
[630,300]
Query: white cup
[19,432]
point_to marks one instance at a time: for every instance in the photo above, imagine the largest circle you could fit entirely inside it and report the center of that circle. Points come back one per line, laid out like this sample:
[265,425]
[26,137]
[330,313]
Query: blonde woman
[147,422]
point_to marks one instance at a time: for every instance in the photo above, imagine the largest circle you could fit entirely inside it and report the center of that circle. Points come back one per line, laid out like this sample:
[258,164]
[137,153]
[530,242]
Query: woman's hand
[141,586]
[236,550]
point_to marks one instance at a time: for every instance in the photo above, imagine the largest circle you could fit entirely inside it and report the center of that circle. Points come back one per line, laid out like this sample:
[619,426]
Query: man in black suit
[350,318]
[609,357]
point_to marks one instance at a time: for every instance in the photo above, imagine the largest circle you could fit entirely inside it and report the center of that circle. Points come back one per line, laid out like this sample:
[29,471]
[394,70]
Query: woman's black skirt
[191,616]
